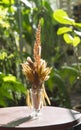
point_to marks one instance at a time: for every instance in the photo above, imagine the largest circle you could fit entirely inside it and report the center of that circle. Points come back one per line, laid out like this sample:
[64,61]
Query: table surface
[53,118]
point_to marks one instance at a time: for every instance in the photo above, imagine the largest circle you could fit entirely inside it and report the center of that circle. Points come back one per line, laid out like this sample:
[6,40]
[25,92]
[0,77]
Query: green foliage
[68,31]
[61,83]
[62,17]
[69,74]
[70,40]
[11,90]
[63,30]
[58,88]
[71,32]
[65,77]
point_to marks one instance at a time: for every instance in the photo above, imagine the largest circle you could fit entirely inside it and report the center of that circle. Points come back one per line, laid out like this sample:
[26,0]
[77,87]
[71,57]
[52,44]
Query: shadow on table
[19,121]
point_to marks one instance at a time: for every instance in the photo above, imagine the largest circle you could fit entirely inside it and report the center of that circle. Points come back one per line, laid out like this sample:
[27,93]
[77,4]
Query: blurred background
[18,25]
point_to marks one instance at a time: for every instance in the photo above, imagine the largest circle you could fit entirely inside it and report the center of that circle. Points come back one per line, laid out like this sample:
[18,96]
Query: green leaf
[64,30]
[7,1]
[68,38]
[69,69]
[76,41]
[9,78]
[3,55]
[78,24]
[62,17]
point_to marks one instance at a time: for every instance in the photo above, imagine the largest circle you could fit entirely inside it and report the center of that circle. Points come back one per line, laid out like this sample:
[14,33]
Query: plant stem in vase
[37,73]
[36,100]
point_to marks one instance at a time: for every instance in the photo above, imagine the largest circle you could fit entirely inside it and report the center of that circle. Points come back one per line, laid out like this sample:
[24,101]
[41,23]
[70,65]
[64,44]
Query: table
[52,118]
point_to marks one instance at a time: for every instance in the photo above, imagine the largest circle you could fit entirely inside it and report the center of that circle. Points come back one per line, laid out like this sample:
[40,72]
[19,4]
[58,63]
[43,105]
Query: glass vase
[36,96]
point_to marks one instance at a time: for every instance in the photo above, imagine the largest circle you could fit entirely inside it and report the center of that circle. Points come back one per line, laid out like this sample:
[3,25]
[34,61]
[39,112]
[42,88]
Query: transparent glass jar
[36,96]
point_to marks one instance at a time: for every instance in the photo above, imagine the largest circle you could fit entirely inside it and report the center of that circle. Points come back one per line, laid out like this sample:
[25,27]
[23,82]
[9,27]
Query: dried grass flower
[36,70]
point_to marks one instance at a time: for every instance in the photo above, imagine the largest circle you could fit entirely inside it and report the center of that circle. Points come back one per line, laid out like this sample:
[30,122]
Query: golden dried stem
[28,100]
[37,47]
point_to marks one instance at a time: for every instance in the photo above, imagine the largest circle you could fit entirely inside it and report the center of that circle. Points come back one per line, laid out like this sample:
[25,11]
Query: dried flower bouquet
[36,71]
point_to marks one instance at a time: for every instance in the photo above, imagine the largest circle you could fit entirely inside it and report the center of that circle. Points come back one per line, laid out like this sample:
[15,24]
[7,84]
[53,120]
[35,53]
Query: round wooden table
[51,118]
